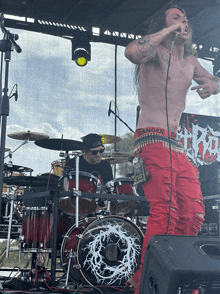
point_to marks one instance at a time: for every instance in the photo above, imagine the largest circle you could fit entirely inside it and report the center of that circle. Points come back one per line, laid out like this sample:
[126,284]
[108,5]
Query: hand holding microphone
[177,32]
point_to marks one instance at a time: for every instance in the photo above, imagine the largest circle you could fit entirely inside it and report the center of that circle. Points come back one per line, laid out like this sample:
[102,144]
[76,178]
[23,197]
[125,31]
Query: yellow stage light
[81,57]
[81,48]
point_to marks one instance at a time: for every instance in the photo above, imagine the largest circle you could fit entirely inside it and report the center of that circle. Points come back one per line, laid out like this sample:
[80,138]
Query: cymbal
[17,168]
[60,144]
[108,139]
[27,181]
[7,149]
[52,177]
[31,136]
[117,157]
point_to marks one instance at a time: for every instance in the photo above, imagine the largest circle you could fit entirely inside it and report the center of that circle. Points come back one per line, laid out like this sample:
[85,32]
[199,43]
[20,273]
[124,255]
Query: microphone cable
[169,143]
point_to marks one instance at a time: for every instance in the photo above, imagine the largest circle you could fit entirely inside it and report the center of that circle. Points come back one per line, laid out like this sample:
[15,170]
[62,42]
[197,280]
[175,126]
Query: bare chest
[180,70]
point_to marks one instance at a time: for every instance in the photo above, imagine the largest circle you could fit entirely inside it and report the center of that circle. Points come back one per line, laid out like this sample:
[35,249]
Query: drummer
[91,162]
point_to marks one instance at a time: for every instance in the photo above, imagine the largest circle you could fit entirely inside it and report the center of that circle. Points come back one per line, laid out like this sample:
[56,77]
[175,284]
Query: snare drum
[105,251]
[121,186]
[58,166]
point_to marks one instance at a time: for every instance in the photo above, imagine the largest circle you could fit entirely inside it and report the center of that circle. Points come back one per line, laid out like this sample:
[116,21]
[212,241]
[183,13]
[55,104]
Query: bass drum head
[109,251]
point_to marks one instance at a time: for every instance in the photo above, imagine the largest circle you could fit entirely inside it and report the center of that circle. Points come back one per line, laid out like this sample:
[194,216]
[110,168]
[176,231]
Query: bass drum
[105,251]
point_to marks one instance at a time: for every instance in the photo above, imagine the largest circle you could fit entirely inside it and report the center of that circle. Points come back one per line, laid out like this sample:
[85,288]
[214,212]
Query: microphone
[177,32]
[109,108]
[16,93]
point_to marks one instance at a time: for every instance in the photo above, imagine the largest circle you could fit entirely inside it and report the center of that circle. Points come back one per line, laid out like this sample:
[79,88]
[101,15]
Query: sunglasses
[98,151]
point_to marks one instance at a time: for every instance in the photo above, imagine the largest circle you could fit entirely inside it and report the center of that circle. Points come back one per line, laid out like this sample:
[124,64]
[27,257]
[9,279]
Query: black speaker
[179,264]
[209,177]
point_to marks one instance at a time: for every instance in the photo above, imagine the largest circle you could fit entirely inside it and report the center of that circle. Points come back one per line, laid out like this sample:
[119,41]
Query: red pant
[186,195]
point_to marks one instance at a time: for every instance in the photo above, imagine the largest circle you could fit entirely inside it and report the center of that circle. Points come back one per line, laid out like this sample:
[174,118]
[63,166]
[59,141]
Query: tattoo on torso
[164,56]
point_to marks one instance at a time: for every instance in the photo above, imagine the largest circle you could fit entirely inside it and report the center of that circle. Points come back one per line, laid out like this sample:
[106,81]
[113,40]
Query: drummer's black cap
[92,141]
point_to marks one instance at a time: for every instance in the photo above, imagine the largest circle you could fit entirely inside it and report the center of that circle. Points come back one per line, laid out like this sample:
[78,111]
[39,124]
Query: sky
[56,97]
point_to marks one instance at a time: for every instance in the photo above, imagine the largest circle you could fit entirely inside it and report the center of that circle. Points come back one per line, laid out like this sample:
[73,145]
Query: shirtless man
[174,194]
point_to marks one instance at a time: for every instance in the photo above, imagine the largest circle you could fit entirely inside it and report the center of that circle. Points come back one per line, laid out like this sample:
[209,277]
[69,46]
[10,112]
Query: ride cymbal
[117,157]
[31,136]
[60,144]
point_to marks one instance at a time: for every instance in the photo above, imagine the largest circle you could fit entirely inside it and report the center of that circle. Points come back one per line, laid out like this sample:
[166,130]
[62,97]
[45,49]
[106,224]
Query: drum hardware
[11,152]
[13,198]
[70,256]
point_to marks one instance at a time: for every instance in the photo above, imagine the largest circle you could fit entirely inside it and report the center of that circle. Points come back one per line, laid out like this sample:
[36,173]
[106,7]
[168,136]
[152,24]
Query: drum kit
[96,245]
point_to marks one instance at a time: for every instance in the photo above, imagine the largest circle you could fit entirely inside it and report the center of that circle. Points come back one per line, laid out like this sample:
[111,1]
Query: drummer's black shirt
[102,170]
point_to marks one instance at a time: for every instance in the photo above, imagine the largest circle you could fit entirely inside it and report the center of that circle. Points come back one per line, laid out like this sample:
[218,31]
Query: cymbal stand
[71,255]
[6,46]
[77,193]
[13,197]
[11,152]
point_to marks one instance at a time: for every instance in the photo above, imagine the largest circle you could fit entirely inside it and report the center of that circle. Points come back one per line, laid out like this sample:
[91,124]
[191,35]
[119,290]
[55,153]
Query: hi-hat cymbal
[60,144]
[117,157]
[16,168]
[109,139]
[31,136]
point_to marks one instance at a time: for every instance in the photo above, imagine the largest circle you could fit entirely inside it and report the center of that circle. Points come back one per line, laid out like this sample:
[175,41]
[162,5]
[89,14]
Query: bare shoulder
[193,60]
[199,70]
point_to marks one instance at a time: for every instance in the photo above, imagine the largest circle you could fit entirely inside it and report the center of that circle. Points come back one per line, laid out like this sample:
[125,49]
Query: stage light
[81,57]
[81,48]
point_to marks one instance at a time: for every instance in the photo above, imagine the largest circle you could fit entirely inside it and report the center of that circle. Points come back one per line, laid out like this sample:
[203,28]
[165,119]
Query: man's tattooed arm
[145,48]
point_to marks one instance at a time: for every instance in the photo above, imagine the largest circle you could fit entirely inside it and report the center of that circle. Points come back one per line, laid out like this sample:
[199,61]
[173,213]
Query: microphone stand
[111,111]
[6,45]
